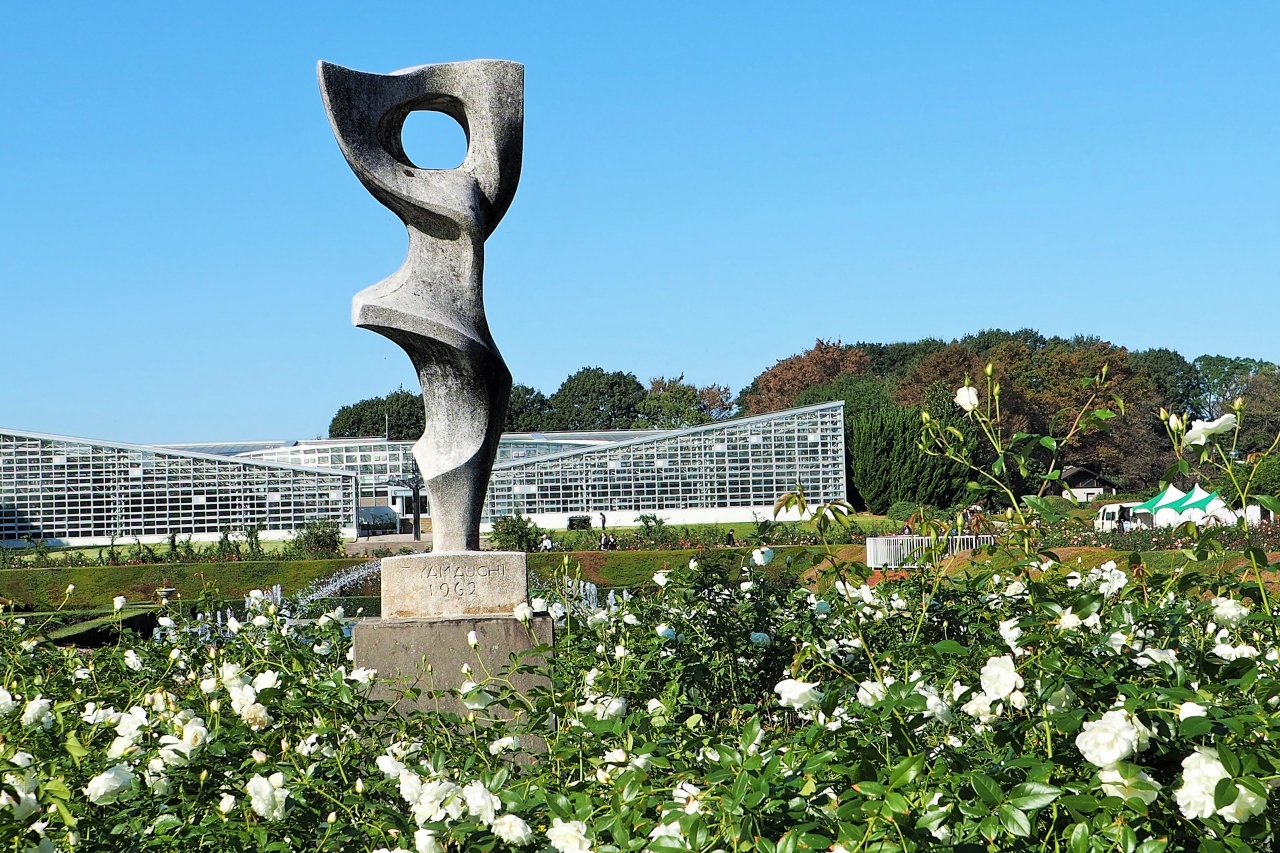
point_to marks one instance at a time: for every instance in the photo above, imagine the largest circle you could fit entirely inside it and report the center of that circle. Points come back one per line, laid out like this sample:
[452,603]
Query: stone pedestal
[430,602]
[400,650]
[471,583]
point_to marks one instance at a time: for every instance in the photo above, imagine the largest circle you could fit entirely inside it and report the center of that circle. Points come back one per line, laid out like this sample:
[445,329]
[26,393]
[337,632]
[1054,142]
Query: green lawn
[96,586]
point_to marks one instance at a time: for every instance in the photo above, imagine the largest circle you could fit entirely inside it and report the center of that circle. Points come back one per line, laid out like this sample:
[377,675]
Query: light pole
[414,483]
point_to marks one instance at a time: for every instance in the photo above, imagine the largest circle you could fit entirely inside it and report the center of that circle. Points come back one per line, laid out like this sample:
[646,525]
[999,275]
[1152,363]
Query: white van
[1110,518]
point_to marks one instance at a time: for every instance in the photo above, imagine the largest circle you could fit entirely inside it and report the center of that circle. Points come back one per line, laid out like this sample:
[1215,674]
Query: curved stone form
[433,306]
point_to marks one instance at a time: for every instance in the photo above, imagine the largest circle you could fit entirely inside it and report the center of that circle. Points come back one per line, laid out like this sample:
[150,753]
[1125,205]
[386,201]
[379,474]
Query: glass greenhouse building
[727,471]
[75,491]
[721,472]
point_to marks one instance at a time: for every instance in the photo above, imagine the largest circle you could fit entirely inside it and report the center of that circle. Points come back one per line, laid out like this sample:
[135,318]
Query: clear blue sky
[705,190]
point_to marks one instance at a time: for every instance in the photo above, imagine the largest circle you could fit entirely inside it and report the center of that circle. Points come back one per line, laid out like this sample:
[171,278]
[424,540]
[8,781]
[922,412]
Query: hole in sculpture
[433,140]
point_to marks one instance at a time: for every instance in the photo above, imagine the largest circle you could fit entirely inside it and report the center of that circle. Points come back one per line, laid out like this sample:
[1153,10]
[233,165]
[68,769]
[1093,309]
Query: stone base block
[440,585]
[401,649]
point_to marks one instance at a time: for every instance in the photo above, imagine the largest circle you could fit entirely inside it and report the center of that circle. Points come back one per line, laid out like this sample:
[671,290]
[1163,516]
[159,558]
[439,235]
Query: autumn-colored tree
[778,387]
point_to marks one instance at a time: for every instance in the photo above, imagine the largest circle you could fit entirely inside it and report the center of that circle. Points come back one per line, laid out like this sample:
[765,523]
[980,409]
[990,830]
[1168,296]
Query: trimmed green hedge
[43,589]
[632,568]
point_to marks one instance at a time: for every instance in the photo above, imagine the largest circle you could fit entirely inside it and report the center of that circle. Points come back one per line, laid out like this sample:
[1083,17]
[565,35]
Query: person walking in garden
[547,544]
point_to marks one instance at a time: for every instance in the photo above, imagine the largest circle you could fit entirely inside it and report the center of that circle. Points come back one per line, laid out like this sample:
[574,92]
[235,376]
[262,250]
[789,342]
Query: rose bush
[1020,705]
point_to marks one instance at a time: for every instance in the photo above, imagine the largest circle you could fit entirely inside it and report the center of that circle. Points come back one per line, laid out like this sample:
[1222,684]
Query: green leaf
[74,748]
[1014,821]
[1079,838]
[987,788]
[1049,442]
[950,647]
[164,823]
[930,821]
[906,770]
[1195,727]
[1224,793]
[1104,414]
[1229,761]
[896,802]
[1153,845]
[1270,502]
[560,805]
[1082,803]
[1033,795]
[57,789]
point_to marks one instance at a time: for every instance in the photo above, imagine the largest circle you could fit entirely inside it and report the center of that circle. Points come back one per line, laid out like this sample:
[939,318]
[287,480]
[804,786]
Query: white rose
[481,803]
[473,696]
[1000,677]
[118,602]
[503,744]
[267,796]
[510,829]
[611,707]
[226,804]
[539,605]
[1187,710]
[7,703]
[1229,652]
[870,692]
[1108,740]
[256,716]
[979,707]
[1068,621]
[107,786]
[363,675]
[1011,633]
[569,837]
[797,694]
[1116,784]
[967,398]
[522,612]
[425,841]
[1201,772]
[132,660]
[1229,612]
[660,578]
[762,556]
[1152,655]
[665,631]
[37,712]
[266,680]
[1201,430]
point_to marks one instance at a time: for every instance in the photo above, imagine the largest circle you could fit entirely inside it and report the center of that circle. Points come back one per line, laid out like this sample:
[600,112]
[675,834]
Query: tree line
[589,399]
[885,388]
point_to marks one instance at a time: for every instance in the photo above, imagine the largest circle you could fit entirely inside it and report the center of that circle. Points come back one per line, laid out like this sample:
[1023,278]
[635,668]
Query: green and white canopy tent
[1173,507]
[1171,494]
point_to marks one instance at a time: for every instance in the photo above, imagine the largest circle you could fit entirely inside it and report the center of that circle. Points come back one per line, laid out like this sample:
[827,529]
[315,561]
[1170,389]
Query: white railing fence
[892,552]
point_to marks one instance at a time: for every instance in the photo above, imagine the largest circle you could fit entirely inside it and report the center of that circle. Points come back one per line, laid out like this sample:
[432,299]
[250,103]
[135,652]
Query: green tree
[1223,378]
[861,394]
[528,411]
[594,399]
[399,416]
[1175,378]
[674,403]
[894,361]
[887,466]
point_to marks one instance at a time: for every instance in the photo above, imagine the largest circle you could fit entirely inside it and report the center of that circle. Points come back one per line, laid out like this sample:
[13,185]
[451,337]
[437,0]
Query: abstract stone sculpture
[433,306]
